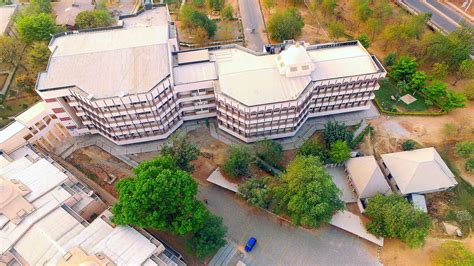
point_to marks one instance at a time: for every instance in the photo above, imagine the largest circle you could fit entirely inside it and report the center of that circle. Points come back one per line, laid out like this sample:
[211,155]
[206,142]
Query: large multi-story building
[132,83]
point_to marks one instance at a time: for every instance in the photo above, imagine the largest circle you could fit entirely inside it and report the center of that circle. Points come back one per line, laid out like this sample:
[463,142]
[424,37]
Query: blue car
[250,244]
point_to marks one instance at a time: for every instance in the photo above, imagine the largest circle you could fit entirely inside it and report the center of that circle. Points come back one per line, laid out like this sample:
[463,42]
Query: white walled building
[132,84]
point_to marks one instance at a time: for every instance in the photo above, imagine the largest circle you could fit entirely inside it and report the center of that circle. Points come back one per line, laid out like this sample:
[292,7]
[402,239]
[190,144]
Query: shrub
[262,165]
[256,192]
[215,4]
[270,151]
[238,161]
[470,165]
[193,19]
[36,27]
[25,82]
[390,59]
[312,147]
[404,69]
[464,149]
[198,3]
[409,145]
[364,40]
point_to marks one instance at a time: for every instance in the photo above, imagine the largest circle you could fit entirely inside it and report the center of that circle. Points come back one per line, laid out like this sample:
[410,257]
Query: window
[305,67]
[293,69]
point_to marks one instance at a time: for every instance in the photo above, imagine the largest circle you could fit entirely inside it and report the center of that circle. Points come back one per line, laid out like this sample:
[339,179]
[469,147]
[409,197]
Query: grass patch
[388,89]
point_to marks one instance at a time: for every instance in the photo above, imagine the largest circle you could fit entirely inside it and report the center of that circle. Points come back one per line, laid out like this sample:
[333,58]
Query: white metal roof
[10,130]
[366,176]
[109,62]
[419,171]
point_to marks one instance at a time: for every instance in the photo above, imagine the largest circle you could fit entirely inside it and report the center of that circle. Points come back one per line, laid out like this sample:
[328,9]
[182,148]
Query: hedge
[379,106]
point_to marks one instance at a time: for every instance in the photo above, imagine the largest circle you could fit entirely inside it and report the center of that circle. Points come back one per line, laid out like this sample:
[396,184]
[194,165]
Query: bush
[364,40]
[198,3]
[404,69]
[215,4]
[238,161]
[393,216]
[312,147]
[285,24]
[470,165]
[390,59]
[262,165]
[256,192]
[453,253]
[25,82]
[409,145]
[209,238]
[36,28]
[469,92]
[334,131]
[269,151]
[464,149]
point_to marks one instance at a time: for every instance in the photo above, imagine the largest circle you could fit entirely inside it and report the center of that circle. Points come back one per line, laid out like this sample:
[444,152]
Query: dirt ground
[395,252]
[98,165]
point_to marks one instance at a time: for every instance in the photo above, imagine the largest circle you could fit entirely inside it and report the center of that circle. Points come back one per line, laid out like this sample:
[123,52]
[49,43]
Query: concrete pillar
[58,138]
[45,143]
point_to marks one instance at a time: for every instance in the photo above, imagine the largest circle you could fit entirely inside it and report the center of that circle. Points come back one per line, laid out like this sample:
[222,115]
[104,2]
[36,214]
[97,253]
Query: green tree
[256,192]
[469,91]
[409,145]
[452,49]
[328,6]
[464,149]
[209,238]
[404,69]
[465,71]
[10,50]
[215,4]
[227,12]
[285,24]
[25,82]
[270,151]
[193,19]
[36,28]
[97,18]
[453,253]
[364,40]
[307,193]
[334,131]
[418,81]
[339,151]
[373,26]
[393,216]
[383,10]
[182,151]
[37,7]
[38,56]
[312,147]
[198,3]
[238,161]
[160,196]
[440,70]
[453,100]
[390,59]
[336,29]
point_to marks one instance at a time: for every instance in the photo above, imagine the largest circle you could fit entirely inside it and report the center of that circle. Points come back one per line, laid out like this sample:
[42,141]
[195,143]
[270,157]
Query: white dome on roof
[295,55]
[295,62]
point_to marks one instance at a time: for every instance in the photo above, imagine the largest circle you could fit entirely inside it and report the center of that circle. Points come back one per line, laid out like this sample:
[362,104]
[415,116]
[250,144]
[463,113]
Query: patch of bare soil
[100,166]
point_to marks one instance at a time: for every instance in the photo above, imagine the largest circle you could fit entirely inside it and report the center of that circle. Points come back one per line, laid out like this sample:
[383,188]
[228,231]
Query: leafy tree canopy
[182,151]
[256,192]
[193,19]
[390,59]
[364,40]
[312,147]
[97,18]
[404,69]
[209,238]
[394,217]
[308,194]
[339,152]
[38,56]
[440,70]
[10,50]
[36,28]
[285,24]
[159,196]
[334,131]
[238,161]
[409,145]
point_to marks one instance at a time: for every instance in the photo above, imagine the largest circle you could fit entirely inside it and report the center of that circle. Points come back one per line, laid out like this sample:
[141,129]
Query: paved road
[442,16]
[252,18]
[283,244]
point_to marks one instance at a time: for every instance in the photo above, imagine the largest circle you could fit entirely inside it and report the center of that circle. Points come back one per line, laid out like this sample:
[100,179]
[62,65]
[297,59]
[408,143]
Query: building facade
[132,83]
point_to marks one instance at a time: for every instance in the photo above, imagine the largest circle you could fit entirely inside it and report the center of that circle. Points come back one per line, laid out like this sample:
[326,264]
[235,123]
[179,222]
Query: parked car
[250,244]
